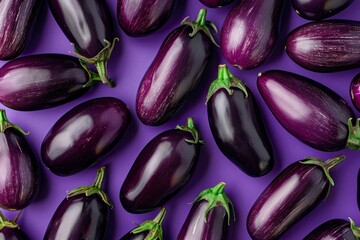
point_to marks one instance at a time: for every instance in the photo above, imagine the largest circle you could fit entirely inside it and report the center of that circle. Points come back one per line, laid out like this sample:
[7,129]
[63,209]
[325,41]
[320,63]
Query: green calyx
[95,188]
[152,226]
[5,223]
[190,127]
[355,229]
[5,124]
[353,141]
[227,81]
[216,196]
[201,24]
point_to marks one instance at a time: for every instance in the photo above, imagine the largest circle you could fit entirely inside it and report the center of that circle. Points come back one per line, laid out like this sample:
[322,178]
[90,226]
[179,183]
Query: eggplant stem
[93,76]
[353,141]
[154,227]
[190,127]
[355,229]
[5,223]
[5,123]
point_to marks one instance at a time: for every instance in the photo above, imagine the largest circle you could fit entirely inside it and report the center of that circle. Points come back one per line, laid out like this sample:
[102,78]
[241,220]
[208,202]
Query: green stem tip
[190,127]
[355,229]
[6,223]
[5,123]
[154,227]
[353,141]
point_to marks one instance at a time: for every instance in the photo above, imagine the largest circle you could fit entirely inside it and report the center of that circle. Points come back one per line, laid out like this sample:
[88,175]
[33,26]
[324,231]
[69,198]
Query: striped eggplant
[314,47]
[216,3]
[10,230]
[237,125]
[355,91]
[294,193]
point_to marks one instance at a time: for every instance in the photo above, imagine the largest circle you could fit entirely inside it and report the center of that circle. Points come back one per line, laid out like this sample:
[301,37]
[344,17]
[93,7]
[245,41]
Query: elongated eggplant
[355,91]
[294,193]
[10,230]
[314,47]
[162,169]
[175,71]
[335,229]
[142,17]
[16,17]
[310,111]
[148,230]
[84,134]
[237,125]
[89,27]
[249,32]
[83,214]
[216,3]
[209,216]
[19,167]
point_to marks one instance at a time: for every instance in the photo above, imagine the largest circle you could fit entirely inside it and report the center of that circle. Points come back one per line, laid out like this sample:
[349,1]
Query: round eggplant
[294,193]
[162,169]
[89,27]
[250,31]
[83,214]
[144,17]
[216,3]
[16,17]
[10,230]
[84,134]
[19,167]
[209,216]
[310,111]
[237,125]
[355,91]
[175,71]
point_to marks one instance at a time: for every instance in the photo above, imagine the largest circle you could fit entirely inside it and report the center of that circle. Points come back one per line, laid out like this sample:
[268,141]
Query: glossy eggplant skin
[355,91]
[13,234]
[308,110]
[144,17]
[249,44]
[216,3]
[84,134]
[314,47]
[336,229]
[132,236]
[16,17]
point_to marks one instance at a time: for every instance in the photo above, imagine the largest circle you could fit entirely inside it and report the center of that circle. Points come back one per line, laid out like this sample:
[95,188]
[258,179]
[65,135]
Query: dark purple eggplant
[314,47]
[310,111]
[250,31]
[143,17]
[175,71]
[16,17]
[355,91]
[319,9]
[43,81]
[10,230]
[84,134]
[148,230]
[216,3]
[335,229]
[209,216]
[89,27]
[162,169]
[19,167]
[294,193]
[83,214]
[237,125]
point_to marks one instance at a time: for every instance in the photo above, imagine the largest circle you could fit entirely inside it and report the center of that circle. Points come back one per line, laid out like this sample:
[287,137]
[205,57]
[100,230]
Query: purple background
[130,59]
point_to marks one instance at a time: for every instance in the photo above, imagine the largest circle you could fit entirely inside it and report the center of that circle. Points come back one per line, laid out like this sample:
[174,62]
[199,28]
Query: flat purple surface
[130,60]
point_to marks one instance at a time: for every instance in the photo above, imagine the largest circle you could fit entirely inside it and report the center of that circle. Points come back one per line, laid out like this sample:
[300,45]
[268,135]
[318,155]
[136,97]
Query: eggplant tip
[259,74]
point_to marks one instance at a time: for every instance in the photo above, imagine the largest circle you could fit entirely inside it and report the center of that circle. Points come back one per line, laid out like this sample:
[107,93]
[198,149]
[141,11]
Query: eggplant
[143,17]
[319,9]
[148,230]
[19,167]
[335,229]
[83,214]
[84,134]
[162,169]
[355,91]
[16,17]
[209,216]
[43,81]
[250,31]
[175,71]
[216,3]
[314,47]
[310,111]
[237,125]
[294,193]
[10,230]
[89,27]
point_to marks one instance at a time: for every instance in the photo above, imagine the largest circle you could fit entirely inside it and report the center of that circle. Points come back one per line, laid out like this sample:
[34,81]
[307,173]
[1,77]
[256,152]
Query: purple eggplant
[250,31]
[310,111]
[148,230]
[84,134]
[209,216]
[43,81]
[335,229]
[319,9]
[162,169]
[216,3]
[355,91]
[16,17]
[237,125]
[175,71]
[314,47]
[294,193]
[10,230]
[83,214]
[19,167]
[89,27]
[143,17]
